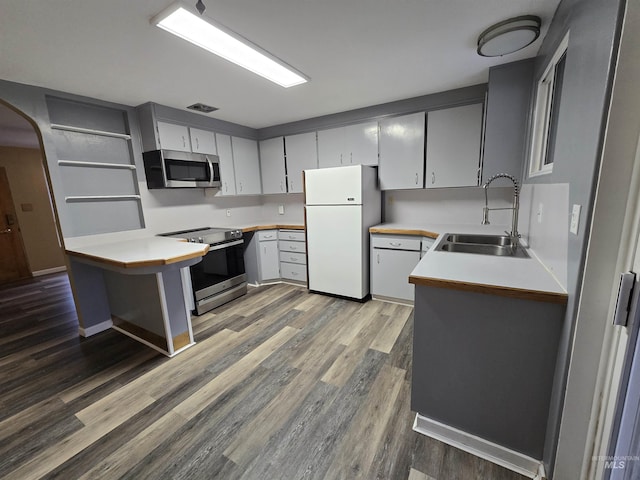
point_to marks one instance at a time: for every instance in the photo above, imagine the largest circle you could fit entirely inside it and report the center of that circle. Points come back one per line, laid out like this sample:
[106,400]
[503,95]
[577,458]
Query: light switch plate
[280,209]
[228,212]
[575,219]
[540,211]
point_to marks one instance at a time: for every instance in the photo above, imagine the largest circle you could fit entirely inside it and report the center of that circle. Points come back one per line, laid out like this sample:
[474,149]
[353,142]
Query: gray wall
[593,26]
[32,101]
[450,98]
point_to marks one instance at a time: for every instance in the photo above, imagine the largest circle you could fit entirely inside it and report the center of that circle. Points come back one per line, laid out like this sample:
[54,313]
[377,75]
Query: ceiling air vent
[201,107]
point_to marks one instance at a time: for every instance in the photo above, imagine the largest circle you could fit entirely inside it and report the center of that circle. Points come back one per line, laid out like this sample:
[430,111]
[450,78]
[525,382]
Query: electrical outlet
[540,210]
[280,209]
[228,212]
[575,219]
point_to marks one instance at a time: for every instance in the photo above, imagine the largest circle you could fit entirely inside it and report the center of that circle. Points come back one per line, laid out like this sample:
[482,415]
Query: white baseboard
[47,271]
[93,329]
[480,447]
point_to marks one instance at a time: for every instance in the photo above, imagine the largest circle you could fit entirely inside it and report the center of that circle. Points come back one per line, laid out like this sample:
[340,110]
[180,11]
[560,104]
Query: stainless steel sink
[496,245]
[479,239]
[497,250]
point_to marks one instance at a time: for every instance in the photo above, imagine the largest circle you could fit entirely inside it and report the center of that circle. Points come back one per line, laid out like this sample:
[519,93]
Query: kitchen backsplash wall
[446,206]
[171,209]
[545,224]
[293,204]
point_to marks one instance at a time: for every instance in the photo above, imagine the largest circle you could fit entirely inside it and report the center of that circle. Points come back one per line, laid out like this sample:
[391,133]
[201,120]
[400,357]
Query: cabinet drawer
[396,242]
[292,257]
[295,235]
[293,271]
[289,246]
[267,235]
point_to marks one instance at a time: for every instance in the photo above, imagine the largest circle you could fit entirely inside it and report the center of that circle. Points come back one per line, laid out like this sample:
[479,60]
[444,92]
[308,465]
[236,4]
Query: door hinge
[623,303]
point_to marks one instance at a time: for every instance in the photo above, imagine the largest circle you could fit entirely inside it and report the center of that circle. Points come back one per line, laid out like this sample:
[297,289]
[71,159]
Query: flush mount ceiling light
[509,36]
[207,34]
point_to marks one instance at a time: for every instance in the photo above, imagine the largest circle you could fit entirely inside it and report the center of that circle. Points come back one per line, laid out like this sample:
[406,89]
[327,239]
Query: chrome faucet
[513,234]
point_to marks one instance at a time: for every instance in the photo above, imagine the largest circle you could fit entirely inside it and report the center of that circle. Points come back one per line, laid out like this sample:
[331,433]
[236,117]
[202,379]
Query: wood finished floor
[282,384]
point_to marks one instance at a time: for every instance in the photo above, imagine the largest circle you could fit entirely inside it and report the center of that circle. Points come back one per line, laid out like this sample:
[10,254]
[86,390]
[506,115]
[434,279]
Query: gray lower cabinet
[268,263]
[393,257]
[293,258]
[484,364]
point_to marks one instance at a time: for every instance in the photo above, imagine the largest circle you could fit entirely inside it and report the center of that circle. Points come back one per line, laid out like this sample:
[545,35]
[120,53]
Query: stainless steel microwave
[174,169]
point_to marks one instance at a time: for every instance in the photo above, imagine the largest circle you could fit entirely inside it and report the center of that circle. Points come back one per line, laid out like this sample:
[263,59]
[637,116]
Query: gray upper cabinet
[402,152]
[272,166]
[508,102]
[351,145]
[247,166]
[454,139]
[362,144]
[330,147]
[174,137]
[302,154]
[202,141]
[227,171]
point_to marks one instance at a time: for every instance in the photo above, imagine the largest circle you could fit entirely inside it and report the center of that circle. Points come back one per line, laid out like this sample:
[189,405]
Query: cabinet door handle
[351,157]
[293,259]
[291,183]
[433,178]
[6,230]
[294,273]
[197,144]
[184,142]
[240,186]
[226,187]
[268,236]
[378,258]
[281,187]
[395,244]
[416,178]
[340,159]
[293,248]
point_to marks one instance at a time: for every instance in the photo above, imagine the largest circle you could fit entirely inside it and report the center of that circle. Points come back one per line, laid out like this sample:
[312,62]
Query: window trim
[542,113]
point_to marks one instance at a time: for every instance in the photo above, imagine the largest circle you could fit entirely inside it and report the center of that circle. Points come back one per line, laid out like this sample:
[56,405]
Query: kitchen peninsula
[137,287]
[486,336]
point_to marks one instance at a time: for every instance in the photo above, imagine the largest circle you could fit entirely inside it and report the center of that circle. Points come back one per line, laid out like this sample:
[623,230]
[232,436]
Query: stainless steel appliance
[173,169]
[220,276]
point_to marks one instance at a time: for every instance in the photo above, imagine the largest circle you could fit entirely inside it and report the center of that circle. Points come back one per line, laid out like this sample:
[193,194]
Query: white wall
[545,225]
[447,206]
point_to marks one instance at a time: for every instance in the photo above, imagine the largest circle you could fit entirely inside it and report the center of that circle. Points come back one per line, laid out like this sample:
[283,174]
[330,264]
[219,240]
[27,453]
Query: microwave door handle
[210,163]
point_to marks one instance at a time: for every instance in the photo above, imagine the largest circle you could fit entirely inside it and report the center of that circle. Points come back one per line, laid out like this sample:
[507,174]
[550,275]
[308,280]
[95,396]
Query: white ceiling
[357,52]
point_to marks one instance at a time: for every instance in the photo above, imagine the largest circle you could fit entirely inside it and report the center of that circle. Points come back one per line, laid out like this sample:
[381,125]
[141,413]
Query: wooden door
[13,261]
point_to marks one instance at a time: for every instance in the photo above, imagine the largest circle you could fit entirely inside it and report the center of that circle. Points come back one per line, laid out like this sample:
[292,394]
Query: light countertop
[246,228]
[525,278]
[140,252]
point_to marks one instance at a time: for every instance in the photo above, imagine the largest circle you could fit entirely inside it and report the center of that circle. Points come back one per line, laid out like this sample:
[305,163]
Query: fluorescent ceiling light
[217,39]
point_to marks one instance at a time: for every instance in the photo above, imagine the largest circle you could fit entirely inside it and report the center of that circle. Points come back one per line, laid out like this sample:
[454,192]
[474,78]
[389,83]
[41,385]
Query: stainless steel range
[220,276]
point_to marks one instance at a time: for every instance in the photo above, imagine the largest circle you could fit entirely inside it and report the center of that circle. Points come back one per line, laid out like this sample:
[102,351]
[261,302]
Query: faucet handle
[485,216]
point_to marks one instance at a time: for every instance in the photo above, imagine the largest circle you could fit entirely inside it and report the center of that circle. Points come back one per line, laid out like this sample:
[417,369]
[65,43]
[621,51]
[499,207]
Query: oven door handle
[220,246]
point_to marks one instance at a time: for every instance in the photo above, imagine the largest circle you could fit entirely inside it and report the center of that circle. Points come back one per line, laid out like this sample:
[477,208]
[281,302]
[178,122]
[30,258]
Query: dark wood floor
[282,384]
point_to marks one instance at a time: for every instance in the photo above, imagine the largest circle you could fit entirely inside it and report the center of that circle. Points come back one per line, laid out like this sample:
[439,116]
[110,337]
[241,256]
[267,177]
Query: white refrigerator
[341,204]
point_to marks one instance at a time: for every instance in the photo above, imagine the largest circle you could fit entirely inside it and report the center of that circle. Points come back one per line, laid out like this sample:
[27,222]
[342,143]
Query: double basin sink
[496,245]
